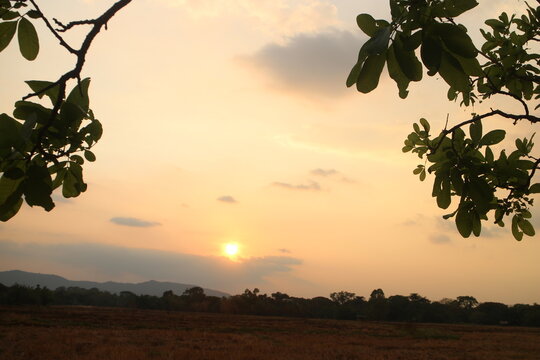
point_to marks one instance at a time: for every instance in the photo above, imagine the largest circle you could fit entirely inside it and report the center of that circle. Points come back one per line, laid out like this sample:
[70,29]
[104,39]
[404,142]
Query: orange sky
[229,121]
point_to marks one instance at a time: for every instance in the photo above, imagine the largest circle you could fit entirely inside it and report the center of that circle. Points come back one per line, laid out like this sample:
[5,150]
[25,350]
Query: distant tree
[506,64]
[42,148]
[467,302]
[342,297]
[194,294]
[376,295]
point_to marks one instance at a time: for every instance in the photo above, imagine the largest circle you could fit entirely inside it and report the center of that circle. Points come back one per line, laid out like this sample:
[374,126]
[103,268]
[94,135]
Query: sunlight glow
[231,249]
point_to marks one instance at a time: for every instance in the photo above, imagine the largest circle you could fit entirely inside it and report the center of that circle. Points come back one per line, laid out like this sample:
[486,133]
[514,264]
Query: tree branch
[55,33]
[75,73]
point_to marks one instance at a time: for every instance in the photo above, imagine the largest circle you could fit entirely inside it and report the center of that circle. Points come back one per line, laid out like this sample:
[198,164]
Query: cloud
[133,222]
[227,199]
[284,251]
[324,173]
[314,64]
[275,17]
[440,239]
[118,263]
[310,186]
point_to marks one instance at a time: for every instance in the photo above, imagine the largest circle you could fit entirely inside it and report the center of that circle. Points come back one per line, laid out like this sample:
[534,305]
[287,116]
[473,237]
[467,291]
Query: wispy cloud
[313,186]
[314,64]
[323,172]
[117,262]
[284,251]
[133,222]
[440,239]
[227,199]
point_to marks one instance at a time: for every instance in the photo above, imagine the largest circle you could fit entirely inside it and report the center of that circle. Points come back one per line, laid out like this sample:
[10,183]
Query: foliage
[463,157]
[43,147]
[412,308]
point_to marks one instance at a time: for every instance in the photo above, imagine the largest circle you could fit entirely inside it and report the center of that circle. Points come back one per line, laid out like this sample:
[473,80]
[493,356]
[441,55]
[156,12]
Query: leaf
[370,73]
[10,198]
[73,184]
[476,131]
[456,39]
[518,235]
[526,227]
[394,70]
[493,137]
[534,189]
[28,39]
[7,31]
[407,60]
[453,74]
[38,187]
[378,44]
[37,86]
[367,24]
[425,124]
[353,75]
[464,223]
[75,108]
[431,53]
[443,198]
[10,135]
[89,156]
[476,224]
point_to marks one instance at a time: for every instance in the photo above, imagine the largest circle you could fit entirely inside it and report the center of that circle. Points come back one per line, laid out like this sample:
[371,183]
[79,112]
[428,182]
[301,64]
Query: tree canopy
[43,147]
[475,168]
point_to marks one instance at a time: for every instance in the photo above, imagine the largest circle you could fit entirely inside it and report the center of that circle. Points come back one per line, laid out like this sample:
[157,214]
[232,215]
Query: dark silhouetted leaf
[28,39]
[7,31]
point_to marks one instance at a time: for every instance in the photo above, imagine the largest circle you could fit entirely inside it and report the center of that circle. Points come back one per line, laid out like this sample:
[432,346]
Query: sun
[231,249]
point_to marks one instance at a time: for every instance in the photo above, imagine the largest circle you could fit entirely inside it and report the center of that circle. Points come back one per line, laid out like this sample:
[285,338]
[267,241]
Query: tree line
[341,305]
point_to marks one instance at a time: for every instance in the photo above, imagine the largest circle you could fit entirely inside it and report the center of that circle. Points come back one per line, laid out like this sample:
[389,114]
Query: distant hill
[155,288]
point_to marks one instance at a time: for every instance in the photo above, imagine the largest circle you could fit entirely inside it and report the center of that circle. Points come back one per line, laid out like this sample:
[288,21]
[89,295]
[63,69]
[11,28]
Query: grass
[84,333]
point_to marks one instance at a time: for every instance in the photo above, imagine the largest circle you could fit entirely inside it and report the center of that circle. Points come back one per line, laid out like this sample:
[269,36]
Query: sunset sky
[228,121]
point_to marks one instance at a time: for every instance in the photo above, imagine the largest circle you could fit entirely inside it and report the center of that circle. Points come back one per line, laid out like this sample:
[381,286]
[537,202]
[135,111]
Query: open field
[63,333]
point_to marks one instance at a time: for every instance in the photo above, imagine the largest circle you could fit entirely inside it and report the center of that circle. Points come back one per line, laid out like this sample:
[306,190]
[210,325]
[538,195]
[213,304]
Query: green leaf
[464,223]
[34,14]
[7,31]
[370,73]
[443,198]
[75,108]
[453,74]
[10,135]
[73,184]
[407,60]
[28,39]
[476,224]
[425,124]
[89,156]
[394,70]
[489,155]
[431,53]
[456,39]
[10,198]
[476,131]
[378,44]
[518,235]
[493,137]
[38,187]
[367,24]
[534,189]
[353,75]
[37,86]
[526,227]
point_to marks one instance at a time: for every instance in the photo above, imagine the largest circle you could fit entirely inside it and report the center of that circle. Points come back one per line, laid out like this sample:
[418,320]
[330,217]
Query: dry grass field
[88,333]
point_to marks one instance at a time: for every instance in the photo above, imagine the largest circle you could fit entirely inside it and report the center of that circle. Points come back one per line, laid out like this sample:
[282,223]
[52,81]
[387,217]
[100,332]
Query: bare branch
[55,33]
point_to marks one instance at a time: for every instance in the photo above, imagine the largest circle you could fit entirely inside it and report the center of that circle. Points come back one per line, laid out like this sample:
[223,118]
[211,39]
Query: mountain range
[155,288]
